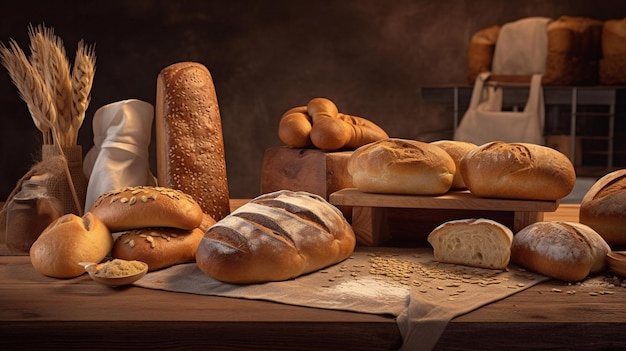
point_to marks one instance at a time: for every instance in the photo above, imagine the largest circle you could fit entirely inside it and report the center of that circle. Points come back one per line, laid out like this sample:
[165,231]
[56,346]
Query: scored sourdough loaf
[401,166]
[66,242]
[517,171]
[603,207]
[567,251]
[189,138]
[472,242]
[147,206]
[276,236]
[456,149]
[158,247]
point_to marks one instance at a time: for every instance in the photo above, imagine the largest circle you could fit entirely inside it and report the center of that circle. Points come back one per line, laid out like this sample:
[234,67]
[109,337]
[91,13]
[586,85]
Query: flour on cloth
[422,294]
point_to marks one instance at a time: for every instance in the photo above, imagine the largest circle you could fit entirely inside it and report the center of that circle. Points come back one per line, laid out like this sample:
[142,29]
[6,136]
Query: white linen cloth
[119,157]
[522,47]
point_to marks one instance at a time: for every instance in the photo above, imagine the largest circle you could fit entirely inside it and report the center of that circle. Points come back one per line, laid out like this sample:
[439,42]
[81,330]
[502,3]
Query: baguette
[276,236]
[190,144]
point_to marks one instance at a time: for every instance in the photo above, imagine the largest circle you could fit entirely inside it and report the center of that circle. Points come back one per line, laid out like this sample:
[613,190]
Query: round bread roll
[400,166]
[147,206]
[603,207]
[517,171]
[158,247]
[567,251]
[456,149]
[479,242]
[276,236]
[70,240]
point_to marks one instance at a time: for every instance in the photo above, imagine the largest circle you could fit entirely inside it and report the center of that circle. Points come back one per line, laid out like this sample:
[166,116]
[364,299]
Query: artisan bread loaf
[517,171]
[603,207]
[479,242]
[147,206]
[613,62]
[274,237]
[480,52]
[401,166]
[456,149]
[190,144]
[567,251]
[66,242]
[158,247]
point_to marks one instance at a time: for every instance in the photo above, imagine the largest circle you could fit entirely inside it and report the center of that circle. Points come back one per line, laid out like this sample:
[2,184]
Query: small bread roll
[518,171]
[158,247]
[70,240]
[567,251]
[603,207]
[400,166]
[480,243]
[456,149]
[147,206]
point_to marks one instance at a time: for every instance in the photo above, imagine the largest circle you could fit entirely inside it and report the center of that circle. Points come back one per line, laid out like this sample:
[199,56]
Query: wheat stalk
[31,87]
[82,79]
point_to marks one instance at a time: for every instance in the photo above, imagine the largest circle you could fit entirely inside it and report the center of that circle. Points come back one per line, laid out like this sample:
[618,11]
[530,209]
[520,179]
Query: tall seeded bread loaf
[401,166]
[276,236]
[479,242]
[517,171]
[603,208]
[567,251]
[190,145]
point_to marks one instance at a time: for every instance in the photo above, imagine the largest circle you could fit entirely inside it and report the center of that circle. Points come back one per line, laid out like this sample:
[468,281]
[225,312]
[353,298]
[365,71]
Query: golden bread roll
[603,207]
[66,242]
[472,242]
[147,206]
[190,144]
[276,236]
[401,166]
[158,247]
[567,251]
[518,171]
[456,149]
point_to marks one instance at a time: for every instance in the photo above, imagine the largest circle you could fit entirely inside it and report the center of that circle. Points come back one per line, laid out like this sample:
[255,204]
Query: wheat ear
[31,88]
[83,73]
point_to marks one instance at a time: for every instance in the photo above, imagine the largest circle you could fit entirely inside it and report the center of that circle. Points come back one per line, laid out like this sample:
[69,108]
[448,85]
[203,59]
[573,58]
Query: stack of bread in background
[581,51]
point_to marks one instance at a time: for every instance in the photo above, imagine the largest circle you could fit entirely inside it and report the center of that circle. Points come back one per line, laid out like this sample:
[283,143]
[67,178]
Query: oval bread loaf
[70,240]
[401,166]
[567,251]
[518,171]
[147,206]
[479,242]
[603,207]
[456,149]
[274,237]
[158,247]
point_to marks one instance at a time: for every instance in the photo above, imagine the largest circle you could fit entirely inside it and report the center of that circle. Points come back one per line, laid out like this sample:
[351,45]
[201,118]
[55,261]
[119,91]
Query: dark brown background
[371,57]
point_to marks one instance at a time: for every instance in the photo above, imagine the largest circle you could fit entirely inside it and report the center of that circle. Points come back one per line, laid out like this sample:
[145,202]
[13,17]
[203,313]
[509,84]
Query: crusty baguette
[274,237]
[190,144]
[147,206]
[401,166]
[567,251]
[66,242]
[517,171]
[603,207]
[158,247]
[479,242]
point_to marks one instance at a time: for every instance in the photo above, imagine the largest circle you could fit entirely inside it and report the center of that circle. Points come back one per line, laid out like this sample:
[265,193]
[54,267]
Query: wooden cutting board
[371,213]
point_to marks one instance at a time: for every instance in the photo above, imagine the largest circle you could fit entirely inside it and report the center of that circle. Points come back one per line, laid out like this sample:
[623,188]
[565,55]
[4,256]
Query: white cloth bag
[119,157]
[484,121]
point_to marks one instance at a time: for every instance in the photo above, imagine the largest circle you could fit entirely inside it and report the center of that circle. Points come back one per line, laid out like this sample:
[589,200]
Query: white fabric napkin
[120,156]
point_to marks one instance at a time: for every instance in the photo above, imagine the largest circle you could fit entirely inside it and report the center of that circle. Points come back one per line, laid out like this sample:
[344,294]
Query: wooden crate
[372,213]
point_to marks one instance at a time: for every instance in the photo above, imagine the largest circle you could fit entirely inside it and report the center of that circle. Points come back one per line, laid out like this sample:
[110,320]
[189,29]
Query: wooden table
[38,312]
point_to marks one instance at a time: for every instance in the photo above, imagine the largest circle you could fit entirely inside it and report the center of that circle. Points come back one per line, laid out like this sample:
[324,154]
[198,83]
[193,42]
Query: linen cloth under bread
[422,294]
[522,47]
[119,157]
